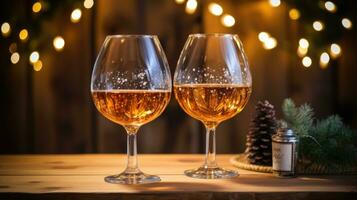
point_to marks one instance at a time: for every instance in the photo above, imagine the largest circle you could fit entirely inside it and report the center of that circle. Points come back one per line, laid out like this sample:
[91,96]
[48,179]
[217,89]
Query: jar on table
[284,152]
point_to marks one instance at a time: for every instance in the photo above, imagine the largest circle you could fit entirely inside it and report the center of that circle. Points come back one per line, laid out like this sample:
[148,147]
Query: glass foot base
[132,178]
[211,173]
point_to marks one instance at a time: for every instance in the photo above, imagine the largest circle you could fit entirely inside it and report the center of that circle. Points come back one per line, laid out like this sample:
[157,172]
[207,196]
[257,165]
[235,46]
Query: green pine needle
[328,142]
[300,118]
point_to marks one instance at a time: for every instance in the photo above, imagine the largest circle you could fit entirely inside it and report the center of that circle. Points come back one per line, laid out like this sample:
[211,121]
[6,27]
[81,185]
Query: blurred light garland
[326,31]
[226,20]
[214,8]
[322,26]
[31,45]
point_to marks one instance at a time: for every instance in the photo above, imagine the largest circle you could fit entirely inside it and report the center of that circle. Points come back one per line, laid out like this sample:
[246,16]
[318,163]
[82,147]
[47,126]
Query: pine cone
[262,127]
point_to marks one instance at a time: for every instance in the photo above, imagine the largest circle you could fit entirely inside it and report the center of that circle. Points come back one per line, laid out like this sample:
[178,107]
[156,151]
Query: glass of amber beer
[212,83]
[131,86]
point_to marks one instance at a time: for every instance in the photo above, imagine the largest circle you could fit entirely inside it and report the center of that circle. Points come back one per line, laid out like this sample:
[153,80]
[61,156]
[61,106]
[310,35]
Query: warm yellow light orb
[335,50]
[274,3]
[88,4]
[324,60]
[346,23]
[306,61]
[36,7]
[303,43]
[191,6]
[15,57]
[294,14]
[302,51]
[263,36]
[23,35]
[58,43]
[76,15]
[330,6]
[228,20]
[215,9]
[270,43]
[5,29]
[34,57]
[37,66]
[318,25]
[179,1]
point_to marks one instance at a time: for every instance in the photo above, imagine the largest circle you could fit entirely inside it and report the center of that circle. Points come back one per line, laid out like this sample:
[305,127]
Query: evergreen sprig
[301,118]
[327,142]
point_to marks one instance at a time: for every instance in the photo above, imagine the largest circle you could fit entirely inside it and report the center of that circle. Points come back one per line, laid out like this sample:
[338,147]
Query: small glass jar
[285,152]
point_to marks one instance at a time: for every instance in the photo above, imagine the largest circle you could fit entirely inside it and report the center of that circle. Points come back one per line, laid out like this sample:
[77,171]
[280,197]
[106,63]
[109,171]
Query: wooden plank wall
[63,117]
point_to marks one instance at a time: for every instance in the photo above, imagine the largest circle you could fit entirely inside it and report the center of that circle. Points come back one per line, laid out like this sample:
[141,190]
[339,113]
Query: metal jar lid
[285,135]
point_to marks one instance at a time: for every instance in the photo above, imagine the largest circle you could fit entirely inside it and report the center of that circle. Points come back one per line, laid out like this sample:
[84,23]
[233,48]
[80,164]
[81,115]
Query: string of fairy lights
[24,35]
[215,9]
[303,44]
[269,42]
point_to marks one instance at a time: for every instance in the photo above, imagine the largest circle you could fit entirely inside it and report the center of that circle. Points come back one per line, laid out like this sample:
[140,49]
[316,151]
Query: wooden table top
[56,175]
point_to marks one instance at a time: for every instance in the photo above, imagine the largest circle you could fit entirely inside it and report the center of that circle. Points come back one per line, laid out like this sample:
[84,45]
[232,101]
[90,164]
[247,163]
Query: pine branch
[328,142]
[300,119]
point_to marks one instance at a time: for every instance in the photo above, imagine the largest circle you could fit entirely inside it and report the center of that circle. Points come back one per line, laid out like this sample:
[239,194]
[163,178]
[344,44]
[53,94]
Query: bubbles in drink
[212,102]
[131,107]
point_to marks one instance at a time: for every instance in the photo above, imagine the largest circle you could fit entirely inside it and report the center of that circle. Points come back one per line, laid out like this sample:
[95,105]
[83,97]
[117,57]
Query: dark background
[51,111]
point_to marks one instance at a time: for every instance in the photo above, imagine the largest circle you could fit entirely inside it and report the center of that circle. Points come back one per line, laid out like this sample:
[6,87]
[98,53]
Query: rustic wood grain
[81,177]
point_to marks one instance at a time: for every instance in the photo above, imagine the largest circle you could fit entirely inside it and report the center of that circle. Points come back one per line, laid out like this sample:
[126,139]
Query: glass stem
[210,147]
[132,160]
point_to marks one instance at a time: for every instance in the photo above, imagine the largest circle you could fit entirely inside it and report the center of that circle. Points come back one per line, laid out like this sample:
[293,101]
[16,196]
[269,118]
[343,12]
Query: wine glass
[131,86]
[212,83]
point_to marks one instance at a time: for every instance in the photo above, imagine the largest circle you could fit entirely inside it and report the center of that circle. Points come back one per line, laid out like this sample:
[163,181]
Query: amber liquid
[131,107]
[212,103]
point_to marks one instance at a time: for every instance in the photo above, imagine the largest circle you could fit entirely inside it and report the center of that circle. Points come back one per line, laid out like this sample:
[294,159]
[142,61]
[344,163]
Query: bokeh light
[330,6]
[263,36]
[23,35]
[58,43]
[15,57]
[37,66]
[335,50]
[5,29]
[215,9]
[76,15]
[191,6]
[302,51]
[34,57]
[228,20]
[270,43]
[36,7]
[347,23]
[324,60]
[303,43]
[88,4]
[294,14]
[306,61]
[274,3]
[318,25]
